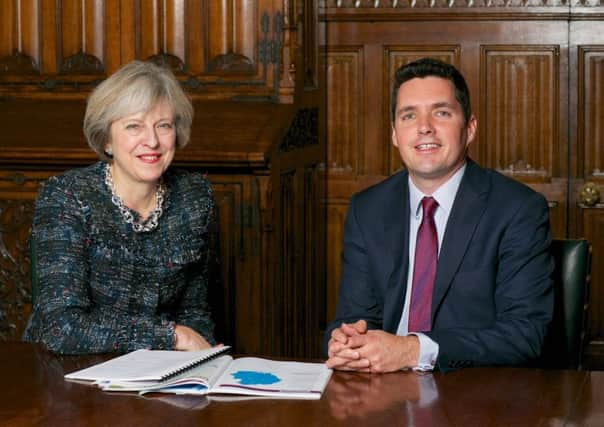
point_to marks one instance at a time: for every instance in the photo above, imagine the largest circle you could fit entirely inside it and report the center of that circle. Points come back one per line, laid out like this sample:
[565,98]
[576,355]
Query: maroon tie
[424,270]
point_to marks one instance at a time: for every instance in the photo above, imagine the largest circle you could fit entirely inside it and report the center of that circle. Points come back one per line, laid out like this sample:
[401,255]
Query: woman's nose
[152,139]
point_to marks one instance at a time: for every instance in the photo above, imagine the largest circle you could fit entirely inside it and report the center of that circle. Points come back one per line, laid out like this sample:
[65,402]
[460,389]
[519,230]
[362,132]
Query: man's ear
[471,128]
[394,141]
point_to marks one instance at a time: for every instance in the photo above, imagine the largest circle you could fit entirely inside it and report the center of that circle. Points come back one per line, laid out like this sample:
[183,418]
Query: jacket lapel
[469,206]
[396,235]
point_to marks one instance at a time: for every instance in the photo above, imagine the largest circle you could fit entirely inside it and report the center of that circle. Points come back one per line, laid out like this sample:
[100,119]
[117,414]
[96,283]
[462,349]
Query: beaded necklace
[153,220]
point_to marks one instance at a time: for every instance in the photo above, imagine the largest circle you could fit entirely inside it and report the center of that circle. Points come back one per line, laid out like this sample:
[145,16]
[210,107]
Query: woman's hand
[187,339]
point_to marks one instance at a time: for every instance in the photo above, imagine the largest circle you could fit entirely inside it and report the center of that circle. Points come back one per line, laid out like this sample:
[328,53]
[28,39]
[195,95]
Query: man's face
[430,132]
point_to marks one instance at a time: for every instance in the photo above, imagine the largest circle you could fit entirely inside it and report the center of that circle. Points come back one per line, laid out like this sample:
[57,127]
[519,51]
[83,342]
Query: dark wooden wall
[536,75]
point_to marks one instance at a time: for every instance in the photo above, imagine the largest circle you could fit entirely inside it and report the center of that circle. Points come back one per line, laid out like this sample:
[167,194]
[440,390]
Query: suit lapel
[396,235]
[468,208]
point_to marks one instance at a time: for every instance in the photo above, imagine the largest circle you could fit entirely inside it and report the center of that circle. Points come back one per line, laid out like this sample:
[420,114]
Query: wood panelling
[520,103]
[219,49]
[592,222]
[301,272]
[591,110]
[336,214]
[345,79]
[586,155]
[81,47]
[20,36]
[15,297]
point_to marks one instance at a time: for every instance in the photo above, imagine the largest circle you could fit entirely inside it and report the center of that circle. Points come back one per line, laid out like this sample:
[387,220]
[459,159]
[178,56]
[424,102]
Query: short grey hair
[137,86]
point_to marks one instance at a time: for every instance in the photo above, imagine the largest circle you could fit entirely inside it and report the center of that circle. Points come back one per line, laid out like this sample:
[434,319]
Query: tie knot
[429,205]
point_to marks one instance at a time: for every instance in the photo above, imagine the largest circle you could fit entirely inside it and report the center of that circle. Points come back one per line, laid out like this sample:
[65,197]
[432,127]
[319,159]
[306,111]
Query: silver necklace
[153,220]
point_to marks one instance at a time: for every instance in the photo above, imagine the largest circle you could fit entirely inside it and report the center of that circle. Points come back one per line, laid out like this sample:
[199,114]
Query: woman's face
[143,146]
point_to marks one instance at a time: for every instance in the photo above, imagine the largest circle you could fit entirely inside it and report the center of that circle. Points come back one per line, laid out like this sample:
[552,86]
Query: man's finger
[338,335]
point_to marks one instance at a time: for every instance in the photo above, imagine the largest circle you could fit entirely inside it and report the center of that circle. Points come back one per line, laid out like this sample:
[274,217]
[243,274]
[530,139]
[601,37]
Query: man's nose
[424,125]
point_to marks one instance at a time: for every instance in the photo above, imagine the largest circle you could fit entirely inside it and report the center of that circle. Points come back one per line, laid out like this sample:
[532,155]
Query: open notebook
[207,372]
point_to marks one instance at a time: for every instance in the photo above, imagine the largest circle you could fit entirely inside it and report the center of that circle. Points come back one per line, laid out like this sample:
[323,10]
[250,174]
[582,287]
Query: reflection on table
[34,393]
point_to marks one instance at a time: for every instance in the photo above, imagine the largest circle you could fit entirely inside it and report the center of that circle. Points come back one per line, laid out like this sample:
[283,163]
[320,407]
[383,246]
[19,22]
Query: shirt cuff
[428,352]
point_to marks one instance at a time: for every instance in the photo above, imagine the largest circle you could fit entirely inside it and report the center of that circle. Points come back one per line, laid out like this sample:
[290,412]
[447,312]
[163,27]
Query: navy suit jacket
[493,294]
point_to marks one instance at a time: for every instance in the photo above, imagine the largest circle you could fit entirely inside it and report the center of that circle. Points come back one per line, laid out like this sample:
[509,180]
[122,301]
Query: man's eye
[407,116]
[443,113]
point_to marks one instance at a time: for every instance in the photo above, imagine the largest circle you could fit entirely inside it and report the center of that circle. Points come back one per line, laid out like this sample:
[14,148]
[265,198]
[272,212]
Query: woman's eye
[132,126]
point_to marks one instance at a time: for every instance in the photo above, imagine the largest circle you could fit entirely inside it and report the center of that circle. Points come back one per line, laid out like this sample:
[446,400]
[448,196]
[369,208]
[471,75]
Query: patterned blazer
[104,287]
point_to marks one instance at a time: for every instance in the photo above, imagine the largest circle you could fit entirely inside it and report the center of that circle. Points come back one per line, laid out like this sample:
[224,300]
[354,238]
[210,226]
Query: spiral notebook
[145,365]
[206,372]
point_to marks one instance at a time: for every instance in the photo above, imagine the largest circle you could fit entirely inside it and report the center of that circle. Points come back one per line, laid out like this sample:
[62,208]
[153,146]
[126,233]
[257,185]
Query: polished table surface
[33,392]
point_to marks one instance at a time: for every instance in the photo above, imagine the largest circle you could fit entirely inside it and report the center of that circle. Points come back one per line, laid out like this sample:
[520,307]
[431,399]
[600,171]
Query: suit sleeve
[357,298]
[522,295]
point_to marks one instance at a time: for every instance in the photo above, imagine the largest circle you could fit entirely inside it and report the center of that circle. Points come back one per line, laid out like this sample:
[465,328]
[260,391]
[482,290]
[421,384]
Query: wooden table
[33,392]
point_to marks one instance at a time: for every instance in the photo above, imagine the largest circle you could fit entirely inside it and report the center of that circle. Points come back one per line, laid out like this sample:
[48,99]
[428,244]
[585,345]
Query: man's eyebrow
[443,104]
[440,104]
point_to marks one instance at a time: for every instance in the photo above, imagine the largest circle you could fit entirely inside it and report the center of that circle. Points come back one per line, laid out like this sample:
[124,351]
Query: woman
[126,247]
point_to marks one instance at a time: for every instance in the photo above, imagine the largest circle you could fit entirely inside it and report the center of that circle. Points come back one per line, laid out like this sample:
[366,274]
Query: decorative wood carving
[15,291]
[170,61]
[303,132]
[345,89]
[18,63]
[220,50]
[81,63]
[20,36]
[431,4]
[231,62]
[519,106]
[591,110]
[82,37]
[310,30]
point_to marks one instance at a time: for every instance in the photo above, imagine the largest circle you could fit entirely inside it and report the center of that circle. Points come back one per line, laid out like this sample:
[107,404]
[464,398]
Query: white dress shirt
[445,196]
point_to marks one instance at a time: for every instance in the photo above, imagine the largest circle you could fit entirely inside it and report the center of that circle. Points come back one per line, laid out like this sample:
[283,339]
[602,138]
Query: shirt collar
[444,195]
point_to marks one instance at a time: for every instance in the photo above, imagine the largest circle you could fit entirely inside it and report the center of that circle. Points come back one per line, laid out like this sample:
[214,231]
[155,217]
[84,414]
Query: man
[445,264]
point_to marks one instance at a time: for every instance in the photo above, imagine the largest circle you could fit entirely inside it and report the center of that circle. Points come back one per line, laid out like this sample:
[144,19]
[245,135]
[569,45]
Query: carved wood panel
[591,111]
[336,214]
[520,105]
[301,294]
[219,49]
[239,319]
[49,45]
[15,290]
[587,162]
[20,51]
[345,92]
